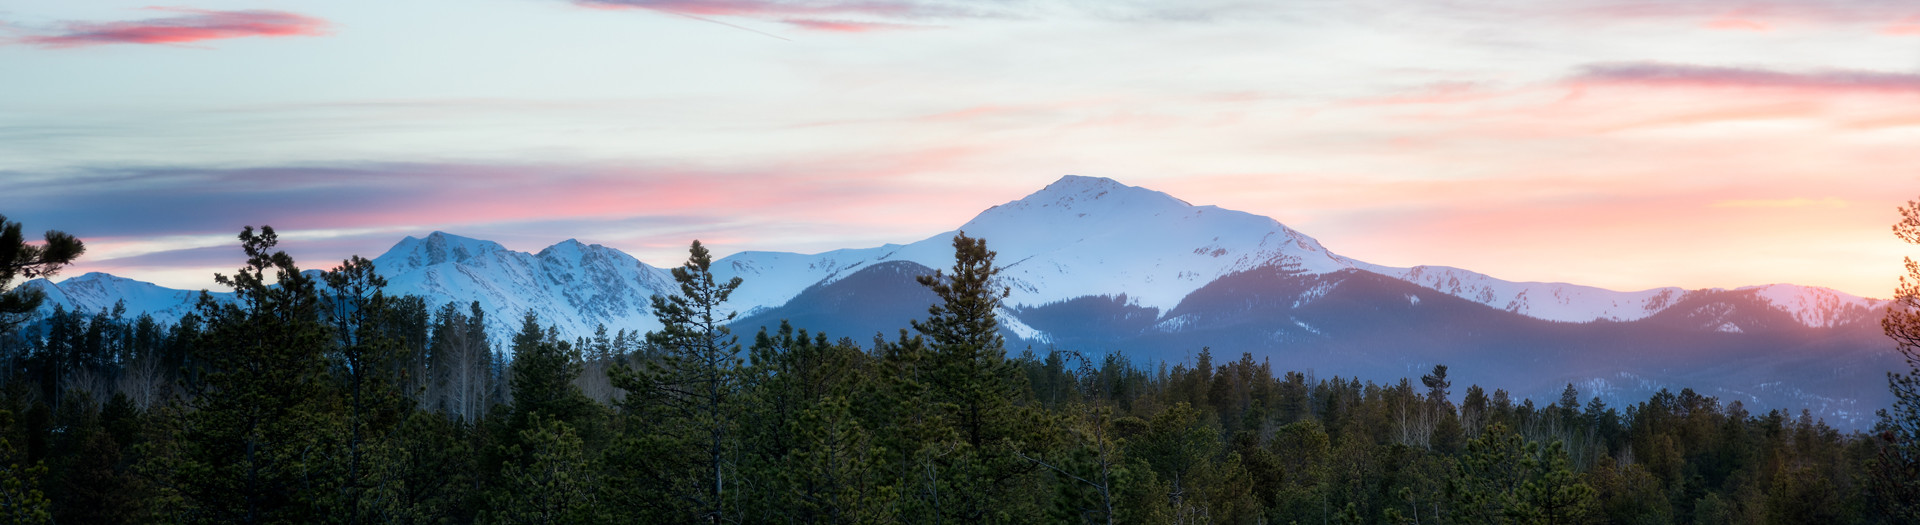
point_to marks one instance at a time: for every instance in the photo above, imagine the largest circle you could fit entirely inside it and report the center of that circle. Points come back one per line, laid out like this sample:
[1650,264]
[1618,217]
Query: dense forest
[315,397]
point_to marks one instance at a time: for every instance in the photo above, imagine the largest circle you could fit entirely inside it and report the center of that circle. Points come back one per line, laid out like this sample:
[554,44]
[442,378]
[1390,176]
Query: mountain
[573,286]
[1099,266]
[95,291]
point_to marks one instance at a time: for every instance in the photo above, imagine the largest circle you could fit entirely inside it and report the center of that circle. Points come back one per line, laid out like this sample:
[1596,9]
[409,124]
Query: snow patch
[1174,324]
[1021,329]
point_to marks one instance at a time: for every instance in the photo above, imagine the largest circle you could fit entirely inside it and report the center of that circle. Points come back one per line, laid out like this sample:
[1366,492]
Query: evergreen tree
[21,500]
[690,392]
[19,259]
[1506,479]
[555,485]
[259,401]
[1437,385]
[974,387]
[806,457]
[370,365]
[550,435]
[461,363]
[89,482]
[430,474]
[1897,473]
[541,378]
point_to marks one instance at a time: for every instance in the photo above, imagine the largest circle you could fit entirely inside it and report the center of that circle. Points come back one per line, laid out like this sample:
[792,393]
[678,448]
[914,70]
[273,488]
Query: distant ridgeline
[1100,268]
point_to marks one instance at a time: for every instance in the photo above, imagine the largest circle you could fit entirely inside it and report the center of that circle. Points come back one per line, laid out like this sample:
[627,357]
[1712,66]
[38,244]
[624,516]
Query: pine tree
[548,411]
[370,365]
[19,259]
[541,378]
[461,363]
[1505,479]
[974,386]
[691,391]
[806,458]
[259,398]
[556,484]
[971,369]
[1437,385]
[1897,468]
[21,500]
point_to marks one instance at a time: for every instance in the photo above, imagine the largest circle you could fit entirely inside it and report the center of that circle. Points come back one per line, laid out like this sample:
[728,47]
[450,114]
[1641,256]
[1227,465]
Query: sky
[1613,143]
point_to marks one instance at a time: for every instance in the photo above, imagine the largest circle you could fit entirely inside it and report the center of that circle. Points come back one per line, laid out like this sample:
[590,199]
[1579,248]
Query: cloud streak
[170,217]
[783,9]
[847,26]
[1749,11]
[815,15]
[1684,75]
[186,26]
[1797,202]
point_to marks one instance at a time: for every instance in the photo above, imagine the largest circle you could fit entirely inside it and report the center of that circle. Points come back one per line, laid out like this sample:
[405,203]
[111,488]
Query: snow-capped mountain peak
[1816,306]
[437,248]
[1083,236]
[1550,301]
[1081,195]
[95,291]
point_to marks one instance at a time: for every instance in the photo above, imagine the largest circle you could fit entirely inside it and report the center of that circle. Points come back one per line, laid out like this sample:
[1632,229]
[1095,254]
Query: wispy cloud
[1907,27]
[170,217]
[185,26]
[847,26]
[1758,11]
[1664,74]
[1732,22]
[812,15]
[785,8]
[1796,202]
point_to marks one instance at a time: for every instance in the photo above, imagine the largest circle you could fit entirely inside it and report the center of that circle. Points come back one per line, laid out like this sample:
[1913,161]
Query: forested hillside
[316,397]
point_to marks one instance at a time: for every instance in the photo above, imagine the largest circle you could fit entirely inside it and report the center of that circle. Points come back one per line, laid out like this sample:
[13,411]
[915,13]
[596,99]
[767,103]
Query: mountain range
[1097,266]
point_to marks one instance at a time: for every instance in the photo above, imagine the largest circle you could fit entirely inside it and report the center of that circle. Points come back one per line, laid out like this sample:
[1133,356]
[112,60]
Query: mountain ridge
[1092,245]
[1096,265]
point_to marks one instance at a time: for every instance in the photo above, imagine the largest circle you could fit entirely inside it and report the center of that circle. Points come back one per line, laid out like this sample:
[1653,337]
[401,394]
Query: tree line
[316,397]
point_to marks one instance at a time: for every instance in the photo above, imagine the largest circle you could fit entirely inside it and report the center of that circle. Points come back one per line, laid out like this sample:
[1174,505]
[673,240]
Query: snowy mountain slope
[92,292]
[570,285]
[1077,237]
[1818,307]
[1550,301]
[1812,306]
[770,279]
[1088,236]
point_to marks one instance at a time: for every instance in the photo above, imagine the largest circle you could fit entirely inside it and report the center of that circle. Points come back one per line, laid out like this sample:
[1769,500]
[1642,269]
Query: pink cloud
[190,25]
[1436,93]
[770,8]
[1682,75]
[826,16]
[846,26]
[1738,24]
[1744,14]
[1908,27]
[1635,175]
[795,206]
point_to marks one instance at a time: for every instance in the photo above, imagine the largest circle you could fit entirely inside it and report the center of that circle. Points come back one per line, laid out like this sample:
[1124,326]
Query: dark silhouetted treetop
[19,259]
